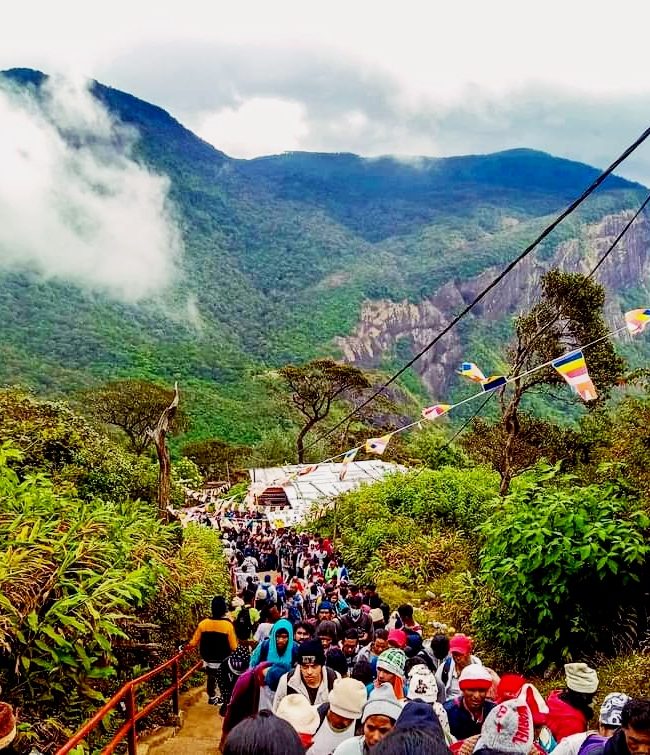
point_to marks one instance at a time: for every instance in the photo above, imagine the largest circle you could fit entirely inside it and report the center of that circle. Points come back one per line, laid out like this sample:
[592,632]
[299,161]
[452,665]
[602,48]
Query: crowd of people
[304,660]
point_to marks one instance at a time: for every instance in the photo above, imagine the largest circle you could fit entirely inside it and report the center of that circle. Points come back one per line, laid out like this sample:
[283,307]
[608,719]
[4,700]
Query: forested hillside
[280,254]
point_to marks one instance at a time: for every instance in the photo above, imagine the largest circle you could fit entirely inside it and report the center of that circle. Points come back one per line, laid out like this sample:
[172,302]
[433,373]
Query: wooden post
[132,740]
[176,697]
[159,437]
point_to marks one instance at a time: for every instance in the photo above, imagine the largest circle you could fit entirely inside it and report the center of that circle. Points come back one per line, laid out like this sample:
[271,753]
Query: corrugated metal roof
[321,485]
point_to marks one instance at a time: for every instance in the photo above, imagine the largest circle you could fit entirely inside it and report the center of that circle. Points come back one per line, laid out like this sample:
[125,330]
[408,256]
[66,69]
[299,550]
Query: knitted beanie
[392,660]
[311,651]
[509,686]
[347,698]
[382,702]
[422,685]
[612,708]
[581,678]
[419,715]
[508,728]
[475,676]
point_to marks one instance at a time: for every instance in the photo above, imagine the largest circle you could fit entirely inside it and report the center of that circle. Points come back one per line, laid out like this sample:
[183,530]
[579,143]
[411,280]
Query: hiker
[246,618]
[570,709]
[375,649]
[326,632]
[350,648]
[417,730]
[309,679]
[216,640]
[508,728]
[609,722]
[390,670]
[278,648]
[423,685]
[335,659]
[358,620]
[302,631]
[467,711]
[438,650]
[460,656]
[263,734]
[266,593]
[339,717]
[633,738]
[403,619]
[379,716]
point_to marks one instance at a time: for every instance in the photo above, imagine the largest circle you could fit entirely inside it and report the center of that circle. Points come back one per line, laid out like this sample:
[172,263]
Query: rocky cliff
[384,323]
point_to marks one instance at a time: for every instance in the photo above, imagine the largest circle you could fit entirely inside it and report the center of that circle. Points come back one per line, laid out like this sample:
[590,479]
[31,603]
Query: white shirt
[353,746]
[326,740]
[571,744]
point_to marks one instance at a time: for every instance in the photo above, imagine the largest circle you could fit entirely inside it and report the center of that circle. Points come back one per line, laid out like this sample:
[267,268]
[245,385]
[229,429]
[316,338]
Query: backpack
[446,666]
[243,624]
[281,591]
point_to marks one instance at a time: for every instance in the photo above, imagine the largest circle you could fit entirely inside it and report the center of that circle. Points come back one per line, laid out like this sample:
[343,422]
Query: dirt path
[200,734]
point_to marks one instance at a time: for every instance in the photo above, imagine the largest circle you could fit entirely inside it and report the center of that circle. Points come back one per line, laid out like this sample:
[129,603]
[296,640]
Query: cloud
[74,204]
[349,103]
[259,126]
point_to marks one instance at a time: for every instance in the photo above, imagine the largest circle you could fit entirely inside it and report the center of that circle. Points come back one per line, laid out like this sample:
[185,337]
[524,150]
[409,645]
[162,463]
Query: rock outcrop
[384,323]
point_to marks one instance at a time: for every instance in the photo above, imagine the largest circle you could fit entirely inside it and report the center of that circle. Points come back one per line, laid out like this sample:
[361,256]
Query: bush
[555,555]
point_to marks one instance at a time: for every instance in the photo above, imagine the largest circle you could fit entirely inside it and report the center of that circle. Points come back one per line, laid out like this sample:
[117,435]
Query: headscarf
[273,656]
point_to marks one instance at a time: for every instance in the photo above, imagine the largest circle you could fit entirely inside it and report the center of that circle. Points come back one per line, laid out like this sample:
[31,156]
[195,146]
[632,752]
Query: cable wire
[480,296]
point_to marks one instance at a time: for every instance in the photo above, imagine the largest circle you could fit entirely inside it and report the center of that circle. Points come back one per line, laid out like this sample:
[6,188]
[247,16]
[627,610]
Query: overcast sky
[371,77]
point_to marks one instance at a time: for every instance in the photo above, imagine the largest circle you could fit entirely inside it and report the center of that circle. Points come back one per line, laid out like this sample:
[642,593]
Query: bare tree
[159,437]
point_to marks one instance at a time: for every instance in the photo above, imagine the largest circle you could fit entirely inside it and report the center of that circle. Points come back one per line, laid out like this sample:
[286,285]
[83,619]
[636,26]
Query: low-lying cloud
[74,204]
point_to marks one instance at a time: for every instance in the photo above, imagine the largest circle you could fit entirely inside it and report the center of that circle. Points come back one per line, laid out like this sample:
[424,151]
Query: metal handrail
[126,694]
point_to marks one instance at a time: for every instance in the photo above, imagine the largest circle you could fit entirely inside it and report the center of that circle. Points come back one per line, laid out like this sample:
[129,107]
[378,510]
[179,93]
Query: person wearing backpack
[310,678]
[216,640]
[339,717]
[245,619]
[278,648]
[460,656]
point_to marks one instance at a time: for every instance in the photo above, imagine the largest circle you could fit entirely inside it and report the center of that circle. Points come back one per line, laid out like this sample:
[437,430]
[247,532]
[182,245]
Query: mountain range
[302,254]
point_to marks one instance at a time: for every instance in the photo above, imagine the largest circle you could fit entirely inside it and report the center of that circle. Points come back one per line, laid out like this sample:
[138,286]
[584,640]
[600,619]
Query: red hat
[509,687]
[398,637]
[475,676]
[460,643]
[536,703]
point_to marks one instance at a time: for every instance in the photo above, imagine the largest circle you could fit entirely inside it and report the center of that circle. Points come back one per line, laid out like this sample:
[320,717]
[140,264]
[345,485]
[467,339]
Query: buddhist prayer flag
[493,382]
[637,319]
[432,412]
[378,445]
[471,372]
[308,470]
[573,369]
[349,456]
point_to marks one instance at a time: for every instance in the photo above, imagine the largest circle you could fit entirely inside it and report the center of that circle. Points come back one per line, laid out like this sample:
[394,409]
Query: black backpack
[243,624]
[446,666]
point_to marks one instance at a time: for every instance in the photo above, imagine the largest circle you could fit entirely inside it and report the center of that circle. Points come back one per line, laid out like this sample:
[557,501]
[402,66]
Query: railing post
[132,740]
[176,697]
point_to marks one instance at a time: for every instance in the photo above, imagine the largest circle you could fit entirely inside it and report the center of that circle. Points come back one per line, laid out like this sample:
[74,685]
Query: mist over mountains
[129,246]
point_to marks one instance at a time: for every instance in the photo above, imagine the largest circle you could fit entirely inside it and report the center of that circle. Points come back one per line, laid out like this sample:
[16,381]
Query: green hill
[280,254]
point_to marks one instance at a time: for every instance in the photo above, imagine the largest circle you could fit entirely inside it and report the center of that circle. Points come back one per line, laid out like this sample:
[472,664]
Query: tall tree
[133,406]
[159,437]
[568,313]
[315,387]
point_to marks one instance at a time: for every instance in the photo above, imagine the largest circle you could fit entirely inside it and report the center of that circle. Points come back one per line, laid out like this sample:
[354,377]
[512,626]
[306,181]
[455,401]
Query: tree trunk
[300,440]
[159,437]
[511,425]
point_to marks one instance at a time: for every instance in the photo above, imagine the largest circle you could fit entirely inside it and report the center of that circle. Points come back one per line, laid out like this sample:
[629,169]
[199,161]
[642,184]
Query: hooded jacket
[267,650]
[563,719]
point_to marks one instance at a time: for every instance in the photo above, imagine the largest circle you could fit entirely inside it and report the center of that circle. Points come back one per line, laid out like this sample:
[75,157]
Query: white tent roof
[321,485]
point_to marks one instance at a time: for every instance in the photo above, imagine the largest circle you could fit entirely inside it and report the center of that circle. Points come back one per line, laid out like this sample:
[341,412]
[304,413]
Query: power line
[479,297]
[593,271]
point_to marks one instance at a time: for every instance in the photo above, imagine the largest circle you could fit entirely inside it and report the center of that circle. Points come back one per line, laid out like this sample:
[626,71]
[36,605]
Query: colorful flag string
[572,366]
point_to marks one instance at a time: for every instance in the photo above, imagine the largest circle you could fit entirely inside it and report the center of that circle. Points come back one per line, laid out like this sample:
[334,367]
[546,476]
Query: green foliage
[56,441]
[215,458]
[73,574]
[554,556]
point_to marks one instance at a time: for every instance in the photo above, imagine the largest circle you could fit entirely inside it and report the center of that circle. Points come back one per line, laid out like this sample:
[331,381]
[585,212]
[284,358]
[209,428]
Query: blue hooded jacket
[268,649]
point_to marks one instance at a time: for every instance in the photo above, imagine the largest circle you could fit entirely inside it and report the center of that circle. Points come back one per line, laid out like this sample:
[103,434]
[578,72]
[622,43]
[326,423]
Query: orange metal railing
[127,695]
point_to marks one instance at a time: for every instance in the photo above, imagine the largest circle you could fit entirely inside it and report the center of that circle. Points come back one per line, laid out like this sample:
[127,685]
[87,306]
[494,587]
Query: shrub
[555,555]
